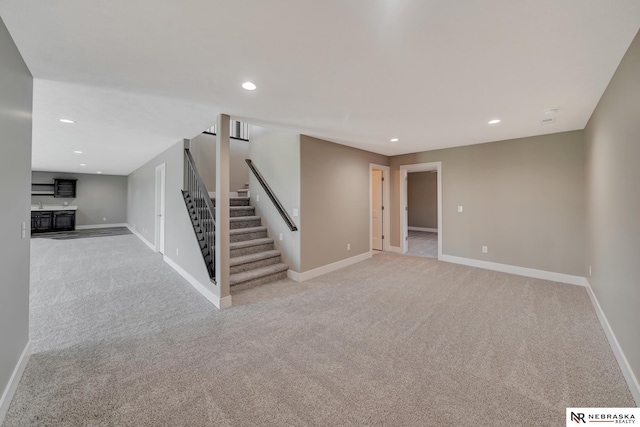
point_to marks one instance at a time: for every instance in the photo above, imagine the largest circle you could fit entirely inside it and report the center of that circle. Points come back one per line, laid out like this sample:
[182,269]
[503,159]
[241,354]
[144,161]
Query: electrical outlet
[24,225]
[177,252]
[459,208]
[280,236]
[24,233]
[589,271]
[104,218]
[348,246]
[257,197]
[485,250]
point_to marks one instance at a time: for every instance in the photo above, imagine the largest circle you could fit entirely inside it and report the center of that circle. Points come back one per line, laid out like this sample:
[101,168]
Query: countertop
[45,208]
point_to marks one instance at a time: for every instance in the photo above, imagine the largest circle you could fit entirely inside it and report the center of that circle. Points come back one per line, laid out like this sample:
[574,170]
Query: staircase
[253,258]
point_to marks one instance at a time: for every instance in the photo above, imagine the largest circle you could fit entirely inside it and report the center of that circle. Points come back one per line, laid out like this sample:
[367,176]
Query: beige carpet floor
[122,340]
[423,243]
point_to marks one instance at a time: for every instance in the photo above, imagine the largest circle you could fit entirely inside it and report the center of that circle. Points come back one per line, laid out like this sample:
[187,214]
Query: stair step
[250,233]
[253,261]
[244,222]
[241,211]
[247,247]
[248,279]
[236,201]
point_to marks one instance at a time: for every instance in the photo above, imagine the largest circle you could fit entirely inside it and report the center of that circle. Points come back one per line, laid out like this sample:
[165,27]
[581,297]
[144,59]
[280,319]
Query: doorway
[419,238]
[379,218]
[160,207]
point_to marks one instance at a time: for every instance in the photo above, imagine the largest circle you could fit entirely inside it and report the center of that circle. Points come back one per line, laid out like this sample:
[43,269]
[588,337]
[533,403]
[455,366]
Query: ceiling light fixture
[248,86]
[78,152]
[83,164]
[67,121]
[494,121]
[98,172]
[394,140]
[551,111]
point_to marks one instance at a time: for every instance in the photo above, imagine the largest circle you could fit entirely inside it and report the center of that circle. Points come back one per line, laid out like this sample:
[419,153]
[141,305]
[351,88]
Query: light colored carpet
[423,243]
[396,340]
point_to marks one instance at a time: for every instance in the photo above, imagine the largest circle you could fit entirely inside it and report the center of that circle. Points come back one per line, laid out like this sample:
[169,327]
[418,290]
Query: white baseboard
[311,274]
[12,386]
[396,249]
[220,303]
[141,237]
[631,379]
[430,230]
[89,227]
[520,271]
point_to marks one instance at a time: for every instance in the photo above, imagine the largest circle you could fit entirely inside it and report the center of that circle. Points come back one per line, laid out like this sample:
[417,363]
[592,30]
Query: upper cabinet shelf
[61,188]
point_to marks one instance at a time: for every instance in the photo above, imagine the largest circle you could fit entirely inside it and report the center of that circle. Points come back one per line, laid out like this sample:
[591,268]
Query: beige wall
[179,233]
[203,150]
[613,204]
[522,198]
[97,197]
[276,154]
[16,94]
[422,196]
[335,201]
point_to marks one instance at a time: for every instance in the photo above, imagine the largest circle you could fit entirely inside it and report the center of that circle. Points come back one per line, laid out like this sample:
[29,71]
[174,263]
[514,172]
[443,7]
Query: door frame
[160,207]
[404,226]
[386,202]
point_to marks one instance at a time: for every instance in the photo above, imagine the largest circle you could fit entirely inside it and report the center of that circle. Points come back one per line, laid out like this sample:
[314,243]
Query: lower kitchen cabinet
[50,221]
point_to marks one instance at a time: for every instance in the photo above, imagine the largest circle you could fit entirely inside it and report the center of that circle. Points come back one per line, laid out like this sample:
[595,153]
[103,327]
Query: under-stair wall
[276,154]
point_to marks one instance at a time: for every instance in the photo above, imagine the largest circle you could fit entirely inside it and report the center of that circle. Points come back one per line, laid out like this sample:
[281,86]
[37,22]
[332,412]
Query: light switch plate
[295,212]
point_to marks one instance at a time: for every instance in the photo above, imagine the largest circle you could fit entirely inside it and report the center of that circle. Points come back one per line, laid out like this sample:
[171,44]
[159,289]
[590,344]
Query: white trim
[429,230]
[312,274]
[90,227]
[12,386]
[210,296]
[139,236]
[632,381]
[396,249]
[386,203]
[404,229]
[520,271]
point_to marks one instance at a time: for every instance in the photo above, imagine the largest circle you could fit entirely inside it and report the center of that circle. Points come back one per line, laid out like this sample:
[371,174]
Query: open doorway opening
[421,209]
[379,202]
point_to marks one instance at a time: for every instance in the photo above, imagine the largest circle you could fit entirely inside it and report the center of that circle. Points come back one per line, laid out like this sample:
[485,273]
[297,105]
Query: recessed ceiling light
[249,86]
[67,121]
[83,164]
[494,122]
[78,152]
[551,111]
[394,140]
[98,172]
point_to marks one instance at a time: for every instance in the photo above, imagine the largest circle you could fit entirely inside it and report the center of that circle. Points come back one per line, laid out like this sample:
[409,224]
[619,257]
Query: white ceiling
[137,76]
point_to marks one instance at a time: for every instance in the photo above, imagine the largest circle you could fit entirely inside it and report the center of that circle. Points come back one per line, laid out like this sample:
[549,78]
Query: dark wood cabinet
[51,221]
[41,222]
[64,221]
[64,188]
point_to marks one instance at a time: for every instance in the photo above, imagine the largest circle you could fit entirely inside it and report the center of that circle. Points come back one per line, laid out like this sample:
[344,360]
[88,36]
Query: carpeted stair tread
[253,257]
[243,218]
[249,243]
[246,276]
[247,230]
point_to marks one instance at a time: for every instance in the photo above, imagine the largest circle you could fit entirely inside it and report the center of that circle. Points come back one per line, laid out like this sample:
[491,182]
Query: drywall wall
[522,198]
[203,150]
[276,154]
[181,245]
[612,139]
[16,94]
[101,199]
[422,197]
[335,194]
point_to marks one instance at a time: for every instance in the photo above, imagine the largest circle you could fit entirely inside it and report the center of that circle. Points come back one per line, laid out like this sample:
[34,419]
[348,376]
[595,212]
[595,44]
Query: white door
[377,212]
[160,207]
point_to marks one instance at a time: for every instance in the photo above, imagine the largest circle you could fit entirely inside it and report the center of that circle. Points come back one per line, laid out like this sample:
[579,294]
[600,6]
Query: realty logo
[577,417]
